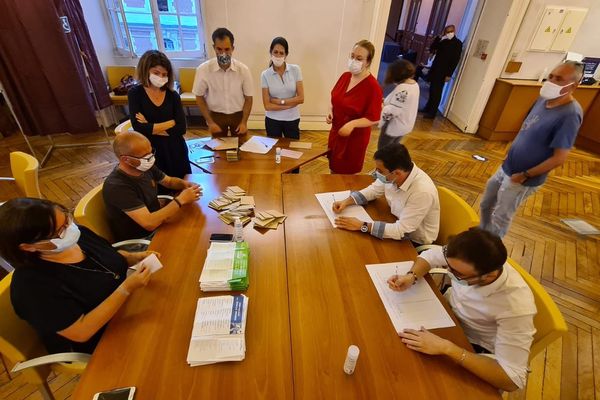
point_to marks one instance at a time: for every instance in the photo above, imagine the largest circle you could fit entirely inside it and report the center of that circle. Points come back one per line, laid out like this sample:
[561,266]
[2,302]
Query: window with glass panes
[171,26]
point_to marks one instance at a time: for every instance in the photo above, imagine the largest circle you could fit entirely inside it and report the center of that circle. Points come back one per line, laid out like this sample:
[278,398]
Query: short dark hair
[483,249]
[394,156]
[399,71]
[281,41]
[25,220]
[151,59]
[222,33]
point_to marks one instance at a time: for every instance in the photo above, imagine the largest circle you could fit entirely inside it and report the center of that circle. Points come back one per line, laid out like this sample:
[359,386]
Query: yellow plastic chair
[456,216]
[24,168]
[186,80]
[21,346]
[123,127]
[549,322]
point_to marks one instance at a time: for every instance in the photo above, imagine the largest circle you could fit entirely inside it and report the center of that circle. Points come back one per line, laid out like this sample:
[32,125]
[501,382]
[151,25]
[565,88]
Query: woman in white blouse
[282,93]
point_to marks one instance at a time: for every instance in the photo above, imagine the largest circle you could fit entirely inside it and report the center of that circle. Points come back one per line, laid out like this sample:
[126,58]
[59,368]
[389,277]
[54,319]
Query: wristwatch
[282,102]
[364,228]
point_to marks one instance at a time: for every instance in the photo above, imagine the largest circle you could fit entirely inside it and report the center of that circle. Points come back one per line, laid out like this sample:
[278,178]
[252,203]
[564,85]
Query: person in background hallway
[410,193]
[223,89]
[130,190]
[490,299]
[282,93]
[68,282]
[399,107]
[156,112]
[355,107]
[543,143]
[447,56]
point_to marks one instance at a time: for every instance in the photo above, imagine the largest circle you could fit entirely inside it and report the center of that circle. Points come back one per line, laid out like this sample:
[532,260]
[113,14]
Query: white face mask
[550,90]
[448,36]
[145,164]
[277,61]
[455,280]
[69,239]
[355,66]
[158,81]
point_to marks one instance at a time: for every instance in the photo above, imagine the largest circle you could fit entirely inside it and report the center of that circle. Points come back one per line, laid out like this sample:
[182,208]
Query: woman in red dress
[356,102]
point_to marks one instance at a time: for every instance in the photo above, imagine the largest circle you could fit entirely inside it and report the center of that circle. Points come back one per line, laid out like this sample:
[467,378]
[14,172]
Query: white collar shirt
[224,91]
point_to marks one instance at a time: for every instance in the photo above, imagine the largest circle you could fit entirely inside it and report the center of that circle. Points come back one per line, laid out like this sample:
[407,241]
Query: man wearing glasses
[543,143]
[491,300]
[130,191]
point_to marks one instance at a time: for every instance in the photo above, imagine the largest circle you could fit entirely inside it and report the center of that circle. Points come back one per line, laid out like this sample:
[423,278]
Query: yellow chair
[24,168]
[186,80]
[549,322]
[91,213]
[123,127]
[456,216]
[21,346]
[114,75]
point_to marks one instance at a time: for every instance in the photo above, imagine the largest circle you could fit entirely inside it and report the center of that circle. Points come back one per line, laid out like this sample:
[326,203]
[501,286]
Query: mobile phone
[221,237]
[126,393]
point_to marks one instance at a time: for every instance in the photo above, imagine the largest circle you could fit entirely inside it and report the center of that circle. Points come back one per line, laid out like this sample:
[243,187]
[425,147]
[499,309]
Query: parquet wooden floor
[567,264]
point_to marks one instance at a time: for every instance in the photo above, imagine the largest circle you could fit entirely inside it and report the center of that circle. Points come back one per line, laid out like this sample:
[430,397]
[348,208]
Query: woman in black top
[68,282]
[156,112]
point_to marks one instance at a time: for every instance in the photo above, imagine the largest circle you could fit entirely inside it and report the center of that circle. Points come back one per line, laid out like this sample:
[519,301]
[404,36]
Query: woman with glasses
[68,282]
[490,299]
[156,112]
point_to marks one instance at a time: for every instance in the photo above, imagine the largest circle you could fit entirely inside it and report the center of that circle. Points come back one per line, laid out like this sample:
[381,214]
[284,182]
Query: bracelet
[462,357]
[123,291]
[414,276]
[177,201]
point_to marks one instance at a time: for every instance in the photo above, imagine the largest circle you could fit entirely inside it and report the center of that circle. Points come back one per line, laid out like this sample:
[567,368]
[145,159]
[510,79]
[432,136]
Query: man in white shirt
[223,88]
[490,299]
[410,193]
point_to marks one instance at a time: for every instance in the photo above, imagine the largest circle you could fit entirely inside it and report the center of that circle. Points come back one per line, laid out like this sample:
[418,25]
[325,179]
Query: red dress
[347,154]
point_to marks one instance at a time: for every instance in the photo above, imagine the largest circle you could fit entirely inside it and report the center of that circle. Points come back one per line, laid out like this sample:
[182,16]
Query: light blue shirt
[282,88]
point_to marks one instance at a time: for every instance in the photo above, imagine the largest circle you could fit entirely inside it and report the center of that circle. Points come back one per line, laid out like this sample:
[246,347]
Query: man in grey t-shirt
[542,144]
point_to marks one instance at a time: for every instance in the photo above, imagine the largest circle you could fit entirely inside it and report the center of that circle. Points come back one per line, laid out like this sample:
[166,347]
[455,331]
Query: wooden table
[333,304]
[253,163]
[145,345]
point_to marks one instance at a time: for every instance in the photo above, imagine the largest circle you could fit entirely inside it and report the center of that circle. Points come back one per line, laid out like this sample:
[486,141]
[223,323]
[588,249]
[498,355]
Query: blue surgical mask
[380,177]
[69,239]
[461,282]
[223,59]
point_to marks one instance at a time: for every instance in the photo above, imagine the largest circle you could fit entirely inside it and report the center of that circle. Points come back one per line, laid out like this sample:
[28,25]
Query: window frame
[116,8]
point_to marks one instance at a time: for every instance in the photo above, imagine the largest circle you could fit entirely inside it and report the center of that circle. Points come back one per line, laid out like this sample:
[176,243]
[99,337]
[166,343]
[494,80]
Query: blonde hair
[368,46]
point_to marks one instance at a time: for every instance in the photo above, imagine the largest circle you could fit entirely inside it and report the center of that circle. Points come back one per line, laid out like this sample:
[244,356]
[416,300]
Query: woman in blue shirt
[282,92]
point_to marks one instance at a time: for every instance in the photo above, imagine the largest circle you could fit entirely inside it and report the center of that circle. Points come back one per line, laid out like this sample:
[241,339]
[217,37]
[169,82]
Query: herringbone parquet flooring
[567,264]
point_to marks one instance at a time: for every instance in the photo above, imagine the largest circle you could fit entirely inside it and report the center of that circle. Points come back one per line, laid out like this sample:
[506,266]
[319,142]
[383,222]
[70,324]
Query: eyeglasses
[455,272]
[145,158]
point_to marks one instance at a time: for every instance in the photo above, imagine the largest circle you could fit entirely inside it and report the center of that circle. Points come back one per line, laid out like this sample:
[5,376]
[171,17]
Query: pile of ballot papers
[233,203]
[228,198]
[218,334]
[225,267]
[232,155]
[268,219]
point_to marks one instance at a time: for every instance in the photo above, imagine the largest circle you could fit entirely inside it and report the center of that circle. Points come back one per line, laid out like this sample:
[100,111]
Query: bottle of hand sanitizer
[278,155]
[351,358]
[238,230]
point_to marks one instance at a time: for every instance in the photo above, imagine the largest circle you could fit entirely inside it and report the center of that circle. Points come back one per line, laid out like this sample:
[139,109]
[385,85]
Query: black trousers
[435,94]
[288,129]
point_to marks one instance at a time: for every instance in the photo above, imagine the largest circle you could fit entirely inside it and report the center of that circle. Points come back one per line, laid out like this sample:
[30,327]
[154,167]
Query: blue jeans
[500,201]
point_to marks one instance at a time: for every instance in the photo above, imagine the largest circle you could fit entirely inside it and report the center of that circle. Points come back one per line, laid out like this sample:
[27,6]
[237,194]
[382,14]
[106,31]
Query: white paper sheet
[291,153]
[326,200]
[300,145]
[414,308]
[151,262]
[258,144]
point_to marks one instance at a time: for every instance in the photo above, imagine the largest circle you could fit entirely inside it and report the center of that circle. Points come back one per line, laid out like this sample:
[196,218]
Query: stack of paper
[219,330]
[291,153]
[413,308]
[258,144]
[228,199]
[225,143]
[268,219]
[232,155]
[243,212]
[225,267]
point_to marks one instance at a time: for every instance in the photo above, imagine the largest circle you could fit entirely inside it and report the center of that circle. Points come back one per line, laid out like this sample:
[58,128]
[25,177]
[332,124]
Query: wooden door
[394,20]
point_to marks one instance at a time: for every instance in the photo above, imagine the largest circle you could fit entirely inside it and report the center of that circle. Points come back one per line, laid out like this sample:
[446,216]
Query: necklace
[104,269]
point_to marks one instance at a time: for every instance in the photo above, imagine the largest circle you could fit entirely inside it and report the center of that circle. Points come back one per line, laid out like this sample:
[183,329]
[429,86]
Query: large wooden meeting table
[310,297]
[254,163]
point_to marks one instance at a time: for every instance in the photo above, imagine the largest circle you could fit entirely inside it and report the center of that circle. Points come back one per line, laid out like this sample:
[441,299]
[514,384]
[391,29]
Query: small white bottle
[351,358]
[278,155]
[238,230]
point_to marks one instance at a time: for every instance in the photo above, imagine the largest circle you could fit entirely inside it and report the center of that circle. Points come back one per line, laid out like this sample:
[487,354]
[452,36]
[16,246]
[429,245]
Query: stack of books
[268,219]
[232,155]
[219,330]
[225,267]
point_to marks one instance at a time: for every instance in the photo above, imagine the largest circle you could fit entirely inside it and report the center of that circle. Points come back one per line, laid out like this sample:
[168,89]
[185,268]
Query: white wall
[320,33]
[586,42]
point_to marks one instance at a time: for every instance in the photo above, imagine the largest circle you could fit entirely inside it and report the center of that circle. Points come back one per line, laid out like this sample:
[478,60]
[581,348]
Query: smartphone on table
[126,393]
[221,237]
